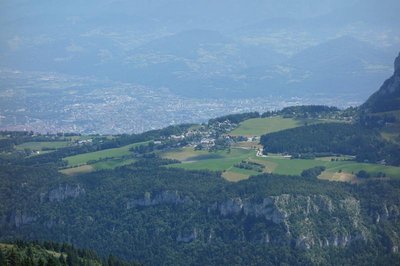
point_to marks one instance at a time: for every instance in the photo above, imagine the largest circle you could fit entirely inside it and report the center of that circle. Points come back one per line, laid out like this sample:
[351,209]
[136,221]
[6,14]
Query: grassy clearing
[243,171]
[261,126]
[47,145]
[78,170]
[112,163]
[285,166]
[218,161]
[372,169]
[183,154]
[223,161]
[99,155]
[342,177]
[296,166]
[3,245]
[234,177]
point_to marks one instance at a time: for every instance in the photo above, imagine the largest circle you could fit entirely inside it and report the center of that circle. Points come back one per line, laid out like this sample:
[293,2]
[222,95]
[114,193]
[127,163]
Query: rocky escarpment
[387,97]
[301,216]
[18,218]
[297,218]
[388,216]
[266,209]
[188,237]
[386,212]
[164,197]
[62,192]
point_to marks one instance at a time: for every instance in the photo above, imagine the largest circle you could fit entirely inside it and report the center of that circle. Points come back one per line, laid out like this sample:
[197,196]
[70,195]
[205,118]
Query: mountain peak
[387,98]
[397,66]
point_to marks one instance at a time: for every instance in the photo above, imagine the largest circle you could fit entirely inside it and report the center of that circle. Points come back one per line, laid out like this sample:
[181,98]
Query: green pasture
[45,145]
[112,163]
[261,126]
[225,161]
[214,161]
[99,155]
[296,166]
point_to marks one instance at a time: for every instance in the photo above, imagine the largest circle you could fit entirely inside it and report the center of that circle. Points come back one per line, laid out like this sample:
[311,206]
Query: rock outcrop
[187,238]
[387,97]
[62,192]
[164,197]
[236,206]
[298,215]
[18,218]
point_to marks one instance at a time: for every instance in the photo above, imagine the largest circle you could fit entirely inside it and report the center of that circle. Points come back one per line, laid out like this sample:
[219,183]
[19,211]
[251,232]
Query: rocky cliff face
[266,209]
[18,218]
[387,98]
[164,197]
[62,192]
[397,66]
[189,237]
[387,212]
[299,215]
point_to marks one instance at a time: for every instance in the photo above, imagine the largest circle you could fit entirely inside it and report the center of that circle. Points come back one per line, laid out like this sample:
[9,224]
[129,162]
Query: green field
[215,161]
[39,146]
[112,163]
[99,155]
[224,161]
[295,167]
[261,126]
[77,170]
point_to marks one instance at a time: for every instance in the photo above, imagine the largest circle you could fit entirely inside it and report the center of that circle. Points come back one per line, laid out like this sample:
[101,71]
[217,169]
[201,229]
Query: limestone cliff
[387,98]
[164,197]
[62,192]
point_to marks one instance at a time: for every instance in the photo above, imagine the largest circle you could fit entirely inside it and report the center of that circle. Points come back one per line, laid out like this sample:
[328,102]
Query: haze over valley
[131,66]
[213,132]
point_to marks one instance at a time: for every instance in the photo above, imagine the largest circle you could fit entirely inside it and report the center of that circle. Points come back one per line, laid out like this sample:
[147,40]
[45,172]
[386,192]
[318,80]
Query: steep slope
[50,253]
[387,98]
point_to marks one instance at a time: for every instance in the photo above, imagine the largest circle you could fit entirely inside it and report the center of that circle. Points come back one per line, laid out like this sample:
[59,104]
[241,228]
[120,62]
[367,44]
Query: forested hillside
[333,138]
[157,215]
[206,194]
[20,253]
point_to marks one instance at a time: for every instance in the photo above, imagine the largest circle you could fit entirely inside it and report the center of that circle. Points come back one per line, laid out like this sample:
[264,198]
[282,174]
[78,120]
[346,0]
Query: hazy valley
[199,133]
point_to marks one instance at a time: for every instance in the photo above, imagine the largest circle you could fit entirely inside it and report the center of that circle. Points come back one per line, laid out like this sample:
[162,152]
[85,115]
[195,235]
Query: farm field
[78,170]
[111,163]
[296,166]
[342,177]
[84,158]
[224,161]
[236,174]
[261,126]
[215,161]
[46,145]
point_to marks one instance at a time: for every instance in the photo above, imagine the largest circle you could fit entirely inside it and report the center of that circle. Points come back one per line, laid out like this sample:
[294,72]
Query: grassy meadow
[84,158]
[45,145]
[261,126]
[224,161]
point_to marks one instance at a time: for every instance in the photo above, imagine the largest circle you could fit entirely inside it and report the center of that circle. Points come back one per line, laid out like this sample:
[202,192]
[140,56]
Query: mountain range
[208,50]
[210,194]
